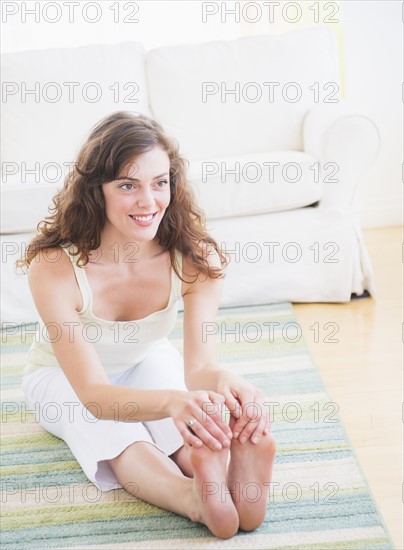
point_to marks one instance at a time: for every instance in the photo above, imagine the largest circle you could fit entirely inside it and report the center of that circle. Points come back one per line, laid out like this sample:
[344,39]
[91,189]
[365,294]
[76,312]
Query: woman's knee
[130,453]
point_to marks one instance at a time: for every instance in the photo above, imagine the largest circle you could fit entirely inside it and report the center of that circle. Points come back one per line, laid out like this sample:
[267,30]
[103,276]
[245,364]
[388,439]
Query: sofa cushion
[303,255]
[24,205]
[215,97]
[73,88]
[256,184]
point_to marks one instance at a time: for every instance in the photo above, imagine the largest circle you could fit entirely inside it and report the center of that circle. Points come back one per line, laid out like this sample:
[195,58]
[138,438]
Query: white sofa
[276,173]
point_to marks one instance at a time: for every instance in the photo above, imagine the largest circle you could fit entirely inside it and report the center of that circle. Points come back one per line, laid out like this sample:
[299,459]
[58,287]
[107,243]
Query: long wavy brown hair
[78,215]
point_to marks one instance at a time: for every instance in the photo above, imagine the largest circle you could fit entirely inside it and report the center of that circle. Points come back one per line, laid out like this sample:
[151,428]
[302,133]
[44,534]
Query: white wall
[160,23]
[373,75]
[372,62]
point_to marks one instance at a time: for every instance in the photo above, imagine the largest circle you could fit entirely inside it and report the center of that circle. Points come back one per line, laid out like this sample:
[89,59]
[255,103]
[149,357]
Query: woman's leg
[150,475]
[182,459]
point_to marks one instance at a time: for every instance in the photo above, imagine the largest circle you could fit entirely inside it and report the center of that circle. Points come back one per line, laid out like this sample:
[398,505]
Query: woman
[124,235]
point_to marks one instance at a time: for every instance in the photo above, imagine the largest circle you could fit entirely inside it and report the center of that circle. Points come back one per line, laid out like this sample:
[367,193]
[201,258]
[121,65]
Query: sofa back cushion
[249,95]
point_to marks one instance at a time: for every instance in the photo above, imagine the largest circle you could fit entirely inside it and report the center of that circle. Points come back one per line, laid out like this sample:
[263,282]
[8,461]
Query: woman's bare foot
[250,471]
[214,504]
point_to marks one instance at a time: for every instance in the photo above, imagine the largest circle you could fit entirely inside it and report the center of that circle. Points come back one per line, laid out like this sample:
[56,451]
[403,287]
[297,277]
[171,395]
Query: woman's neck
[117,248]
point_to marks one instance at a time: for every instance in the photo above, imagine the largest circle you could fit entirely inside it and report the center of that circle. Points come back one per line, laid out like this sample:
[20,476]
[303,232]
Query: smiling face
[135,203]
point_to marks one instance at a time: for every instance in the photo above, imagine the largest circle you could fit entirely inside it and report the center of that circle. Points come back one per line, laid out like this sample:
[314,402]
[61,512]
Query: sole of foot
[214,505]
[250,472]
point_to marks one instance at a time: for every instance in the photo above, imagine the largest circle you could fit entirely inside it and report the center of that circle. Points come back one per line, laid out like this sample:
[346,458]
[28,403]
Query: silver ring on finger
[191,422]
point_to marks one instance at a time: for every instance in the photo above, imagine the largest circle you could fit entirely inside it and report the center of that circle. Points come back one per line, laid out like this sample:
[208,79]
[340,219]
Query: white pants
[92,441]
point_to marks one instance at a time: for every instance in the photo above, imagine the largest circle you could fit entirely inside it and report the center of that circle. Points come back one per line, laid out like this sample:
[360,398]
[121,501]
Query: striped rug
[319,498]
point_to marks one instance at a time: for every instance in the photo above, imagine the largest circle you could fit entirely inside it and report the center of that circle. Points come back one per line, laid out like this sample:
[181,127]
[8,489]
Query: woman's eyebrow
[135,179]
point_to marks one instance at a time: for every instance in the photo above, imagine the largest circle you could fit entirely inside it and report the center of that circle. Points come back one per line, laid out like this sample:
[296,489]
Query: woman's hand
[246,403]
[197,415]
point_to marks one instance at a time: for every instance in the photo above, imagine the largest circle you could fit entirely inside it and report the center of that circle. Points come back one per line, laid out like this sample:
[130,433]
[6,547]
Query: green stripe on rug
[319,498]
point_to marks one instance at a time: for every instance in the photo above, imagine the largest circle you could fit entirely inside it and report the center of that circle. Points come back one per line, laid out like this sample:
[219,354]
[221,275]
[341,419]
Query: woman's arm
[244,401]
[201,303]
[58,299]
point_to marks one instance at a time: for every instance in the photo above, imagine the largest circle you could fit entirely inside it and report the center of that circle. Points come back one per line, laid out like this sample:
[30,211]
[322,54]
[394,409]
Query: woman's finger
[262,424]
[232,403]
[247,412]
[220,414]
[216,427]
[254,418]
[208,433]
[189,437]
[258,432]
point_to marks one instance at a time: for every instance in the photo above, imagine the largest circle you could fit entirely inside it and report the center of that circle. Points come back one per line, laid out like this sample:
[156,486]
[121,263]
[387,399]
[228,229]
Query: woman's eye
[129,186]
[126,186]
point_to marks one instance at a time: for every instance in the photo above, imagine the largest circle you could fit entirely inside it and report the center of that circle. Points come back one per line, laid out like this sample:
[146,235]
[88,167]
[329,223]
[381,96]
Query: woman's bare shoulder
[192,273]
[50,262]
[51,273]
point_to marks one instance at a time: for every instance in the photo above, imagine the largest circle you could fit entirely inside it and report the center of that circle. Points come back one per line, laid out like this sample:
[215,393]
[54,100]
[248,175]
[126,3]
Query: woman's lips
[144,223]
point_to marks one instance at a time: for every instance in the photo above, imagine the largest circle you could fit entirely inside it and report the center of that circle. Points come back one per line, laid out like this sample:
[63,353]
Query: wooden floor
[363,372]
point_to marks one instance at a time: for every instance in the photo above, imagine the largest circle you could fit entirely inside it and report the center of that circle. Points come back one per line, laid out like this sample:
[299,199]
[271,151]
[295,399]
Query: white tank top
[119,344]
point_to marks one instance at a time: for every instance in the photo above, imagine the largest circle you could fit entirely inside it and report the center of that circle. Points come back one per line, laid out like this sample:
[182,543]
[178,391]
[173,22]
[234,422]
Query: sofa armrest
[339,134]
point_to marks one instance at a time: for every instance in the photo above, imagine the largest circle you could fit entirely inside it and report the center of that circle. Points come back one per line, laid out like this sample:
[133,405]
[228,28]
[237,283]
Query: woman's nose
[145,197]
